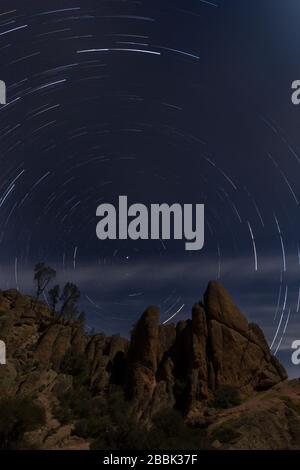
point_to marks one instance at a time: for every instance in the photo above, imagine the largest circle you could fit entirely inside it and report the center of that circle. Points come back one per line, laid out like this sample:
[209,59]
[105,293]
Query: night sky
[170,101]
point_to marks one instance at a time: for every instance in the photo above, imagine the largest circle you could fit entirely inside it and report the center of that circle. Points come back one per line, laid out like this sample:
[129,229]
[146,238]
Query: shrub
[226,396]
[104,421]
[291,404]
[74,404]
[226,433]
[180,392]
[108,423]
[17,416]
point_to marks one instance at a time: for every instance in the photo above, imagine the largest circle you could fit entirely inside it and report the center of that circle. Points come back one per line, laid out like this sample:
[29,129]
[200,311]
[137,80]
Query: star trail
[163,102]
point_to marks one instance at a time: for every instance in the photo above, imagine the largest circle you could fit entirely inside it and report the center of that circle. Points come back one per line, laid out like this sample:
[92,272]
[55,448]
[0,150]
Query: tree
[170,432]
[226,396]
[82,318]
[70,312]
[54,294]
[43,275]
[69,298]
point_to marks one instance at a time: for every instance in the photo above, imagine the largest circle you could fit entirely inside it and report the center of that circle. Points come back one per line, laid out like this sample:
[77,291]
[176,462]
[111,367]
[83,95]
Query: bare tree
[69,298]
[82,318]
[54,294]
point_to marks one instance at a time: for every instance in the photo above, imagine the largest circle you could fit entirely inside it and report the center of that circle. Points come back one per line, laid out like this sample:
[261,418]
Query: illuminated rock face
[2,353]
[2,92]
[216,347]
[159,222]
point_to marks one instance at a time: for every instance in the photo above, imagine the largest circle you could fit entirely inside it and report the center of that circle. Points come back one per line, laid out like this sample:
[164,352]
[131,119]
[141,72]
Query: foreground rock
[268,421]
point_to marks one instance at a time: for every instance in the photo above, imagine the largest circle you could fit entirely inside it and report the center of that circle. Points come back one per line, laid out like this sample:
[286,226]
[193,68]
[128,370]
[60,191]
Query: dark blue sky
[171,101]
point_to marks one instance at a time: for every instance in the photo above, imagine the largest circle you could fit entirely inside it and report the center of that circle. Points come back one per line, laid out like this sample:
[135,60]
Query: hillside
[208,382]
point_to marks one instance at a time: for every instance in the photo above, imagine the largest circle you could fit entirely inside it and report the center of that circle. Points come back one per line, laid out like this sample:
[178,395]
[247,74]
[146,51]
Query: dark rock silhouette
[216,347]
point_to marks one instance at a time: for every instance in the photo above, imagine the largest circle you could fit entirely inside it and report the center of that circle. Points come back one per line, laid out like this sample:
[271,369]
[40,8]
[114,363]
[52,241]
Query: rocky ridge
[162,366]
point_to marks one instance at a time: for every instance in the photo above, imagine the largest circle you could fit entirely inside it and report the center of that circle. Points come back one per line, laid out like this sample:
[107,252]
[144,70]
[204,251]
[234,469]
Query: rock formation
[216,347]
